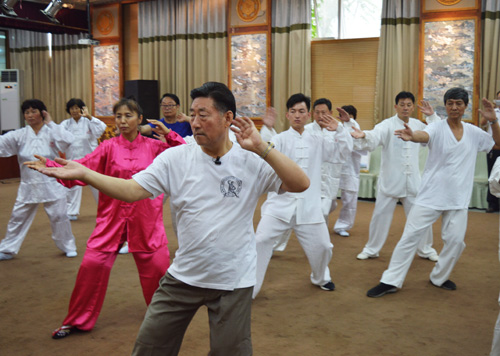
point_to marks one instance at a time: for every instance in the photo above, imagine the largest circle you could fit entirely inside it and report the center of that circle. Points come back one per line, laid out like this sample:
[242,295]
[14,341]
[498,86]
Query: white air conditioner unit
[10,100]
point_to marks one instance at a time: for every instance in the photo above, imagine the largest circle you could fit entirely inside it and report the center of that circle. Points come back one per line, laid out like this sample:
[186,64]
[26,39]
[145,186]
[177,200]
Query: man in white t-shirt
[214,187]
[445,190]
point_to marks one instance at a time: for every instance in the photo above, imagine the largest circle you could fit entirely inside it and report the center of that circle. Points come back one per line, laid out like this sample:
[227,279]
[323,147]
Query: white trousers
[314,239]
[74,198]
[453,227]
[327,206]
[22,218]
[347,214]
[495,347]
[381,223]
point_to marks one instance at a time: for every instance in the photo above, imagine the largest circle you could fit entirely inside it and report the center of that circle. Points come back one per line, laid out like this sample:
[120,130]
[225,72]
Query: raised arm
[267,131]
[122,189]
[488,114]
[407,134]
[293,177]
[427,109]
[96,126]
[61,137]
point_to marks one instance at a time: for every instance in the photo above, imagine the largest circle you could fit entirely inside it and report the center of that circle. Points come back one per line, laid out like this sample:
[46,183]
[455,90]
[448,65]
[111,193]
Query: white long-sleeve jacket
[399,175]
[330,171]
[36,187]
[86,133]
[309,150]
[349,176]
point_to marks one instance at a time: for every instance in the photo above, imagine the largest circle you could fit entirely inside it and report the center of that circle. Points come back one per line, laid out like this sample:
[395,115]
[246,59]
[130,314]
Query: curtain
[490,66]
[52,73]
[29,53]
[182,44]
[397,64]
[71,73]
[291,54]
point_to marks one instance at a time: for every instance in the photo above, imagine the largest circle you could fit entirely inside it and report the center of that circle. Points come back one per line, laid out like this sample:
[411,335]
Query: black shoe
[380,290]
[63,331]
[448,285]
[492,210]
[330,286]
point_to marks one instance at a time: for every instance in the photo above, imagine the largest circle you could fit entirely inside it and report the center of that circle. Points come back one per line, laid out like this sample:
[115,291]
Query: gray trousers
[173,307]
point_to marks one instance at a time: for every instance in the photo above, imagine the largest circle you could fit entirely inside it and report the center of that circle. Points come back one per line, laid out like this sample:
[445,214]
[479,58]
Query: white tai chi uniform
[86,133]
[399,179]
[301,211]
[495,190]
[445,191]
[37,188]
[330,180]
[330,177]
[349,184]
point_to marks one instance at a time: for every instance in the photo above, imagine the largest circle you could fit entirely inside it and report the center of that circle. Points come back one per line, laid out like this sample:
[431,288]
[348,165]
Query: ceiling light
[52,9]
[7,7]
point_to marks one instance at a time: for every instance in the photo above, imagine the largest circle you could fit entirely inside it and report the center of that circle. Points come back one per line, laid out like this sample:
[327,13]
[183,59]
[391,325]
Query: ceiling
[82,4]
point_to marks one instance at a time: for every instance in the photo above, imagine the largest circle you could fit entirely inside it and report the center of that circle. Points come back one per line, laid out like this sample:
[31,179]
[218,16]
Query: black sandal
[63,331]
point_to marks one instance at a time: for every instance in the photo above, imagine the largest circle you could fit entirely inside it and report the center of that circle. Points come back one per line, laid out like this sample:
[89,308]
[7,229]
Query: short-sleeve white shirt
[449,171]
[214,207]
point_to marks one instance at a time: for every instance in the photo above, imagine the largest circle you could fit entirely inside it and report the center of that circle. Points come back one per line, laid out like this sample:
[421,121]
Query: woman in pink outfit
[139,223]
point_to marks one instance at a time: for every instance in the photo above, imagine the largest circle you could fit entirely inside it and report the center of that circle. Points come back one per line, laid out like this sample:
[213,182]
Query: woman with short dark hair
[41,136]
[86,130]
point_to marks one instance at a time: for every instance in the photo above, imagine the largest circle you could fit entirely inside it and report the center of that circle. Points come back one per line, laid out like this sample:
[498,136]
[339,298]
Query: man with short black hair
[445,190]
[302,212]
[214,186]
[399,177]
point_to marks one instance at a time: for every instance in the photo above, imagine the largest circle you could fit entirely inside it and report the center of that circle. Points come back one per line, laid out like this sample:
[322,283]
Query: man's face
[455,108]
[404,108]
[298,115]
[208,124]
[319,111]
[168,107]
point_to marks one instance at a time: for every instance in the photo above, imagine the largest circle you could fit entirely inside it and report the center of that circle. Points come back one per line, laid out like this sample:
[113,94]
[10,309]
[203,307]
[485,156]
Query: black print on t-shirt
[230,186]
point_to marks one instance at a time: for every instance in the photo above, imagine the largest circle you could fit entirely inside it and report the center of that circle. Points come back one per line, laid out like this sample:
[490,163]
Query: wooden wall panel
[131,42]
[344,71]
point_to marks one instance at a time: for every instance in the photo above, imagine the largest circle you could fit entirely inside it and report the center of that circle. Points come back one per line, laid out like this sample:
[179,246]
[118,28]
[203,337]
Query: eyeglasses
[169,106]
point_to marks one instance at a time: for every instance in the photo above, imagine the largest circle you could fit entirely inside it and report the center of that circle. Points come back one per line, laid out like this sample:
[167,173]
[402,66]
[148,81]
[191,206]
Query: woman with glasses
[178,122]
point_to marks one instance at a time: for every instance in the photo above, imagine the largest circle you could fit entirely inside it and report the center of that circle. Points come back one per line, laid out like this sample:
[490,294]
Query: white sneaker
[342,233]
[72,217]
[6,256]
[432,258]
[124,249]
[71,254]
[365,256]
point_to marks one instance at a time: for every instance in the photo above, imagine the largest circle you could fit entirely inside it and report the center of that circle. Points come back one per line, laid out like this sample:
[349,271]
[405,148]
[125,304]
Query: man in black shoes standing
[445,190]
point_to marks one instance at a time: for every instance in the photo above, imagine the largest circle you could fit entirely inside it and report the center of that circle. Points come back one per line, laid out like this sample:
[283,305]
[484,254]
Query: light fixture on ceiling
[7,7]
[52,9]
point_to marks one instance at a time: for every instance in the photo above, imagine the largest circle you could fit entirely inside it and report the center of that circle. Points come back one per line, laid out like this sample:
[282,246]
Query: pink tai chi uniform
[140,223]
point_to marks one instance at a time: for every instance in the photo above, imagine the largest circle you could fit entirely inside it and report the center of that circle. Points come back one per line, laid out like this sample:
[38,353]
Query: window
[342,19]
[3,49]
